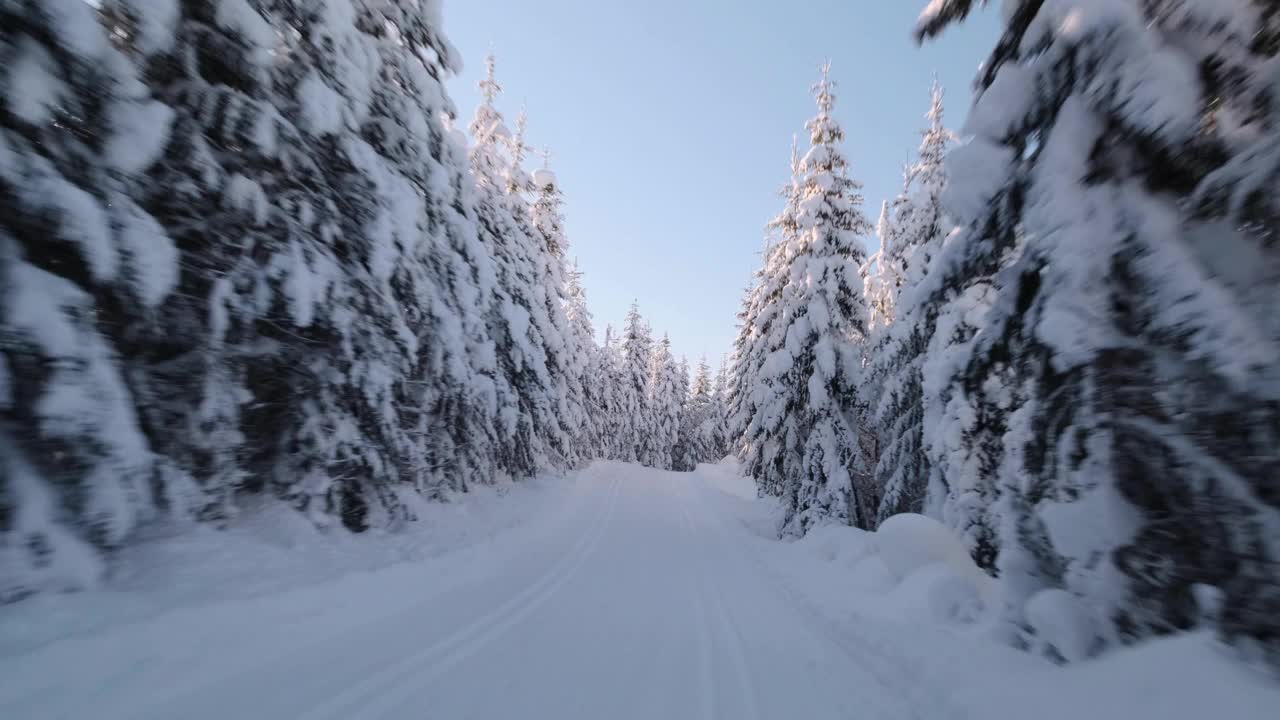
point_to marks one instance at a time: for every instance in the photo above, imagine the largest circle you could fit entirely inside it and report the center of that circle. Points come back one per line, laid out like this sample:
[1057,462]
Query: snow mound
[839,544]
[908,542]
[958,598]
[1062,624]
[1185,677]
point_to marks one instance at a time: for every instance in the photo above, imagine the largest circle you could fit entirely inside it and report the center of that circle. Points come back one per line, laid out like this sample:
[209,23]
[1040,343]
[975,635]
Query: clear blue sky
[670,122]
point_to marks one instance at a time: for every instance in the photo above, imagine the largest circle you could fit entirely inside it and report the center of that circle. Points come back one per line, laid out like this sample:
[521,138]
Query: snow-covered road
[623,592]
[636,603]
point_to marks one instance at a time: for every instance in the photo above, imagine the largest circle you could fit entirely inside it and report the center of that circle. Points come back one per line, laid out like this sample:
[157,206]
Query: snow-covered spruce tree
[300,191]
[664,403]
[568,357]
[446,399]
[758,438]
[634,409]
[720,441]
[744,359]
[80,263]
[190,361]
[331,276]
[738,387]
[809,405]
[545,251]
[1123,386]
[684,457]
[360,105]
[533,436]
[609,419]
[880,276]
[911,234]
[594,374]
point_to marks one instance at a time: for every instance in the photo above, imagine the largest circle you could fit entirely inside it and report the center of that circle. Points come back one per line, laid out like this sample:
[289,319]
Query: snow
[1002,107]
[36,305]
[321,105]
[239,17]
[1186,677]
[81,219]
[74,567]
[247,196]
[34,91]
[139,131]
[985,166]
[543,177]
[78,29]
[150,255]
[156,20]
[305,285]
[1062,622]
[618,592]
[908,542]
[937,626]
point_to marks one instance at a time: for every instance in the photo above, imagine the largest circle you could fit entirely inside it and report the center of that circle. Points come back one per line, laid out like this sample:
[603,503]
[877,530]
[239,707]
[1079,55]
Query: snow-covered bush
[908,542]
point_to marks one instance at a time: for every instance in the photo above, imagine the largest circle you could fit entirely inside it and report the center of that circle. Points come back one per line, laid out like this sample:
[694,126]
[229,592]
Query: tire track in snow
[738,656]
[727,624]
[706,638]
[382,691]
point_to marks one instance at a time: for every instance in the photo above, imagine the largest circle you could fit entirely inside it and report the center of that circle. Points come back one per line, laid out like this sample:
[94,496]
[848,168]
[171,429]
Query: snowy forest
[250,249]
[269,261]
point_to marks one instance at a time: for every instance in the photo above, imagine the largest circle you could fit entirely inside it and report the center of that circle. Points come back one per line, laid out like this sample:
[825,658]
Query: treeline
[1066,346]
[244,251]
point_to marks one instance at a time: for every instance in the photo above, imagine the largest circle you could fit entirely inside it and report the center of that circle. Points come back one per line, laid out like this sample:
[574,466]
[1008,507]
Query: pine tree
[910,236]
[1121,387]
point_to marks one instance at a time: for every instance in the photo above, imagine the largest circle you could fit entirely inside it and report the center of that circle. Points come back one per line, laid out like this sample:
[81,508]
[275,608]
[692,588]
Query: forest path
[638,602]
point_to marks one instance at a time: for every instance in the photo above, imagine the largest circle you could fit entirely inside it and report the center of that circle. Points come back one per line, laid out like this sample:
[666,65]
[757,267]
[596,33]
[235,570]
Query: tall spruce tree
[634,408]
[758,441]
[808,407]
[530,423]
[568,349]
[722,437]
[699,425]
[594,372]
[614,428]
[911,234]
[658,441]
[82,265]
